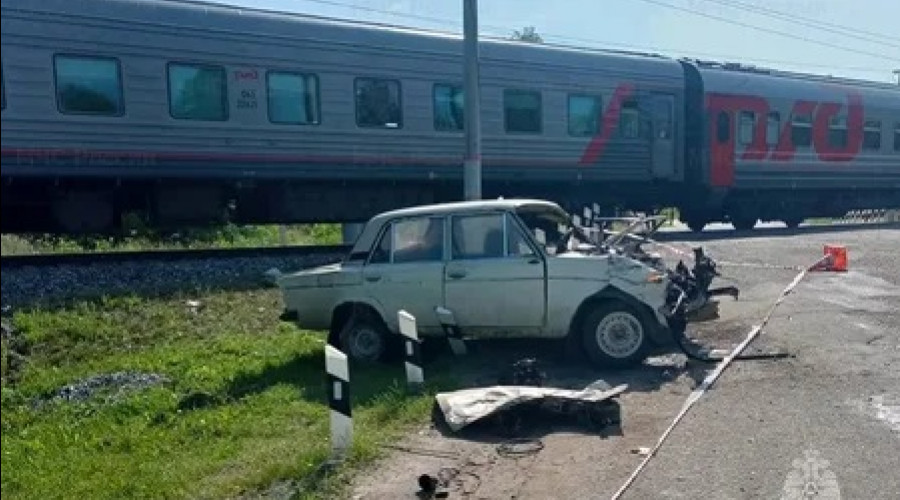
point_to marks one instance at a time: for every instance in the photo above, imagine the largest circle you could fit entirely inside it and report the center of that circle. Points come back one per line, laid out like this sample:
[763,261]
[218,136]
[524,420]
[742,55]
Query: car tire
[364,339]
[614,335]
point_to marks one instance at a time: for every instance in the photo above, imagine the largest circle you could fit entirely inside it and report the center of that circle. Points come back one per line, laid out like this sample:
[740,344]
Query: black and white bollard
[451,329]
[338,376]
[415,377]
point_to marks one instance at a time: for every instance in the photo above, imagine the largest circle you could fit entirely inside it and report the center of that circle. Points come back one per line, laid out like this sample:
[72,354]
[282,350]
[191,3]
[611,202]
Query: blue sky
[648,25]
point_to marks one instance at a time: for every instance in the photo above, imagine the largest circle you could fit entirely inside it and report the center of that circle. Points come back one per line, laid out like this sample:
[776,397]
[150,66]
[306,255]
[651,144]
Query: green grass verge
[263,417]
[226,236]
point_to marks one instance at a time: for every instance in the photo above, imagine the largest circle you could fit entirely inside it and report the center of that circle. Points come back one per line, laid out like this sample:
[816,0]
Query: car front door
[405,270]
[494,281]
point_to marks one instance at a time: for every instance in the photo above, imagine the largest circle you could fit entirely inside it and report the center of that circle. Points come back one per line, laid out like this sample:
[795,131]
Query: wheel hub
[619,334]
[365,343]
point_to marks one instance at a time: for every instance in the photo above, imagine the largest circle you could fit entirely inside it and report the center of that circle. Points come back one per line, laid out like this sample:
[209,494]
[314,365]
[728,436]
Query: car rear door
[494,280]
[405,270]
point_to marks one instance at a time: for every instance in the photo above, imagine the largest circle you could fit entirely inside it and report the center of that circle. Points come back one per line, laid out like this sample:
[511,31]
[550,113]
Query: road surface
[826,421]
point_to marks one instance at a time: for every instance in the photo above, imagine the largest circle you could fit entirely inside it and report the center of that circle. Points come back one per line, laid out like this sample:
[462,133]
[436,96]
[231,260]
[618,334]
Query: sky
[849,38]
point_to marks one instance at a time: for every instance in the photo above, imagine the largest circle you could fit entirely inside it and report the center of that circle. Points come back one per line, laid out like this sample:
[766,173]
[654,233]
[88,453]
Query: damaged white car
[504,268]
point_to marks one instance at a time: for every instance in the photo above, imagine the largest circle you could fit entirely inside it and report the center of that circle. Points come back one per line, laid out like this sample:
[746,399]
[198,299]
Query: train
[185,112]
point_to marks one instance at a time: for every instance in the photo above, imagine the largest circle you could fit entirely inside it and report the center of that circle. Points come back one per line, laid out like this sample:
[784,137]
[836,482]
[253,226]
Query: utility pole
[897,74]
[472,95]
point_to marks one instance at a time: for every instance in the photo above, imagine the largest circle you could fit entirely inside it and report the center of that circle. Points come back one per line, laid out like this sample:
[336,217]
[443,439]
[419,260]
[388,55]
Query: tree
[528,34]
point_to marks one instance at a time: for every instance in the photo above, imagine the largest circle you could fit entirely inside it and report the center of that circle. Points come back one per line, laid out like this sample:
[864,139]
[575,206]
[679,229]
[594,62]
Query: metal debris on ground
[448,479]
[524,372]
[511,406]
[515,448]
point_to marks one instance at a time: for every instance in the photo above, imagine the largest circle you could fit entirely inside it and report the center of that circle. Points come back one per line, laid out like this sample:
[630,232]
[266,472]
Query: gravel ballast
[29,286]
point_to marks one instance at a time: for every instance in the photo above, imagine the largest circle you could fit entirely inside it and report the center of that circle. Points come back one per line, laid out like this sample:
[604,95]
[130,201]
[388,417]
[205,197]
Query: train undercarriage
[100,207]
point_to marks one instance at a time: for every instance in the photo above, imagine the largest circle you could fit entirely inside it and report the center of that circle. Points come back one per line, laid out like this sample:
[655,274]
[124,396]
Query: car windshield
[548,225]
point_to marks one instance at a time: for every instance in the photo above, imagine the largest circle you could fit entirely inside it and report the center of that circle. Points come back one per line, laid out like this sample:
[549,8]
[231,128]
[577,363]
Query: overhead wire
[498,29]
[770,30]
[852,32]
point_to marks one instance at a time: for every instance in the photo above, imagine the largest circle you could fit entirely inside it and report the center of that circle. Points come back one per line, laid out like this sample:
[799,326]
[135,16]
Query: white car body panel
[512,296]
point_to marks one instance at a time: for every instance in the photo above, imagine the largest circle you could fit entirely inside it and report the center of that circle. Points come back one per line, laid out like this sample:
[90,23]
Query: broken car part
[464,407]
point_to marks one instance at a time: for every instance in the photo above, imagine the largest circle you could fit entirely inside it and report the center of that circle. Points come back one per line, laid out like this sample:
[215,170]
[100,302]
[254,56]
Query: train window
[723,127]
[662,109]
[746,127]
[585,115]
[87,85]
[449,107]
[872,135]
[801,131]
[522,111]
[773,129]
[630,120]
[293,98]
[378,103]
[897,137]
[837,131]
[198,92]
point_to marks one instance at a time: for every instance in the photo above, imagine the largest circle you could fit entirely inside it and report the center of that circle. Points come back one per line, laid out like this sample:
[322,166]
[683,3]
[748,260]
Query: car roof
[465,206]
[372,228]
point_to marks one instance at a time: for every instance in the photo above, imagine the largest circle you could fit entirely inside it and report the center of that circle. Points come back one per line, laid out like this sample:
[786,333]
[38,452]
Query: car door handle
[456,274]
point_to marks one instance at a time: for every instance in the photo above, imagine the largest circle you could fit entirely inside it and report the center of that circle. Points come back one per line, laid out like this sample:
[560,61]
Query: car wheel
[614,336]
[364,339]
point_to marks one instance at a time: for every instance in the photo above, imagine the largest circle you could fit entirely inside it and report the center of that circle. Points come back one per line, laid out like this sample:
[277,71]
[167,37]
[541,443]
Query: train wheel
[793,221]
[696,224]
[743,222]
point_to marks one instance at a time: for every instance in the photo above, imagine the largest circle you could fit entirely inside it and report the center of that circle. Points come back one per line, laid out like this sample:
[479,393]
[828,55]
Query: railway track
[55,279]
[180,255]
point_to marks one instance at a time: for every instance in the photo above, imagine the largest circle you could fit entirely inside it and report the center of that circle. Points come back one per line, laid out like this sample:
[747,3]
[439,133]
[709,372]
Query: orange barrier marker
[837,258]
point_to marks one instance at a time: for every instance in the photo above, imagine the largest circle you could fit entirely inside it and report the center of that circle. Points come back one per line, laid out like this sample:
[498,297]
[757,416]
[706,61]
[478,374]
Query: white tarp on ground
[465,406]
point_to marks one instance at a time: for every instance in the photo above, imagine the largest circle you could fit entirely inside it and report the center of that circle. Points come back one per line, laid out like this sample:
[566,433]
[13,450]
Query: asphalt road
[825,422]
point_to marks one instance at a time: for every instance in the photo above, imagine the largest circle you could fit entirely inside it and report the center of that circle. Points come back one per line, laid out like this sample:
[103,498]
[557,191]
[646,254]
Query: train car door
[662,142]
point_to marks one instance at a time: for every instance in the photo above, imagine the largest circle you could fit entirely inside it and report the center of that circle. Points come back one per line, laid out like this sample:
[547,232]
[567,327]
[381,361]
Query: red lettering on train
[785,149]
[610,119]
[822,125]
[722,142]
[723,108]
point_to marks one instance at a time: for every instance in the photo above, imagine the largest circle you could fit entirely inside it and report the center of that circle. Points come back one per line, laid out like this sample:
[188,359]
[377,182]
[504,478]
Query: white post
[415,376]
[338,379]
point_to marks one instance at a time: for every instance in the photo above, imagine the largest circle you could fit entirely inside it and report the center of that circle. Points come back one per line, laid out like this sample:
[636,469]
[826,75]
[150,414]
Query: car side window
[516,242]
[381,254]
[477,236]
[418,240]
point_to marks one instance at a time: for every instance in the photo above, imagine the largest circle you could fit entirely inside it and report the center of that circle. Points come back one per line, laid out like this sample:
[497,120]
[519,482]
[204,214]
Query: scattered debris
[524,372]
[448,478]
[117,384]
[642,451]
[428,487]
[520,447]
[194,306]
[510,405]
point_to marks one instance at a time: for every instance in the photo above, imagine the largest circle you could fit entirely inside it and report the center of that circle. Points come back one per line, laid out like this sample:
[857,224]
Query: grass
[257,414]
[227,236]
